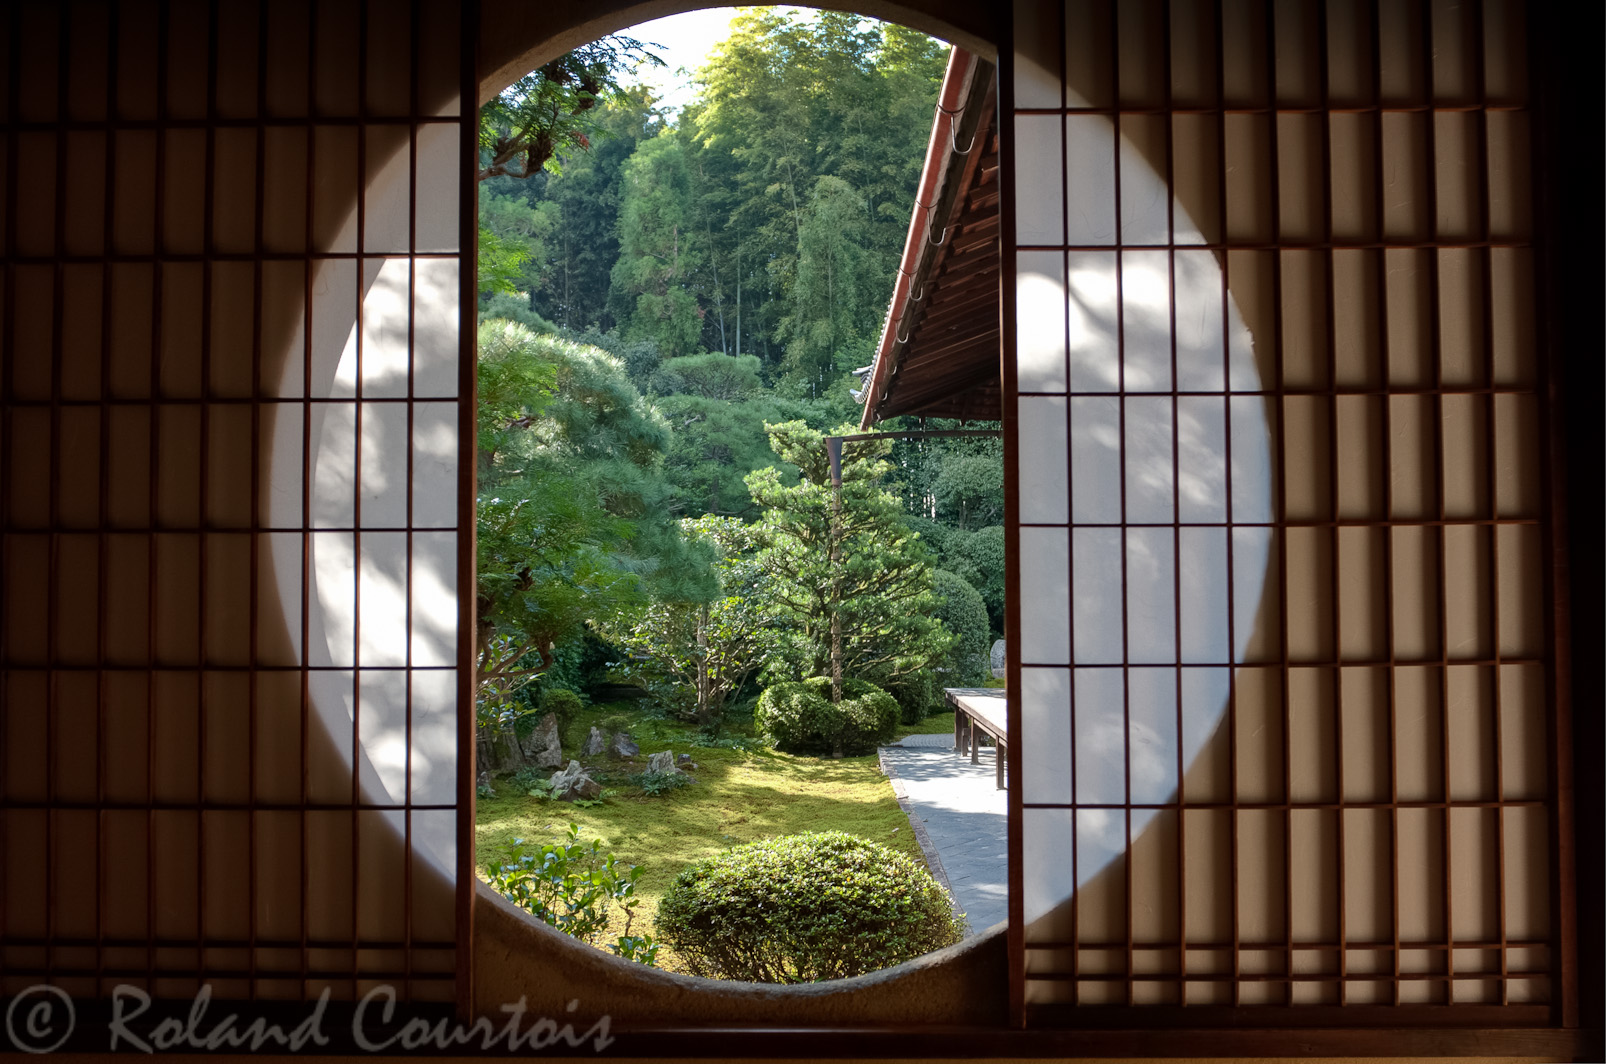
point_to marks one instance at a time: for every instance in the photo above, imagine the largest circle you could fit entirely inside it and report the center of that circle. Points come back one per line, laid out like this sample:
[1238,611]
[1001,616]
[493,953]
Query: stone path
[960,818]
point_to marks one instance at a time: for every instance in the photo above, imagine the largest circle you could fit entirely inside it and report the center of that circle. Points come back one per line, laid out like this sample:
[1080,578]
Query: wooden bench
[978,710]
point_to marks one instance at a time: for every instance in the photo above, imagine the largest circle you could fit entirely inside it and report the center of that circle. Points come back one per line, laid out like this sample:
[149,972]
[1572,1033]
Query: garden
[743,792]
[692,629]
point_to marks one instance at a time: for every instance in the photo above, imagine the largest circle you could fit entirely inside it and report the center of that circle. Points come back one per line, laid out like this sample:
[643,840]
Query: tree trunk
[836,597]
[719,293]
[702,665]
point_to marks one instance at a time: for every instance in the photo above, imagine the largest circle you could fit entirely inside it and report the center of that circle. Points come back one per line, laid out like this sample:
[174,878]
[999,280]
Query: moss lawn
[740,796]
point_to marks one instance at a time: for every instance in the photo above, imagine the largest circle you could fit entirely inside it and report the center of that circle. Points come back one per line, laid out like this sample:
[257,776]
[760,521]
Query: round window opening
[723,648]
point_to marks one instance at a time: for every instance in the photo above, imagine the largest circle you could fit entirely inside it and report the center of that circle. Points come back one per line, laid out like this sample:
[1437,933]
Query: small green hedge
[799,717]
[801,908]
[918,694]
[562,703]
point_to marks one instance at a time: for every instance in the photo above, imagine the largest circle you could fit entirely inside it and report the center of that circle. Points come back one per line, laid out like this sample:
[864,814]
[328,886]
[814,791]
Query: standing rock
[596,742]
[542,747]
[499,749]
[573,783]
[623,745]
[662,762]
[998,660]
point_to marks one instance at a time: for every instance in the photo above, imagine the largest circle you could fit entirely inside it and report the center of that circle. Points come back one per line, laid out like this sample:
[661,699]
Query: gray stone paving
[941,740]
[960,817]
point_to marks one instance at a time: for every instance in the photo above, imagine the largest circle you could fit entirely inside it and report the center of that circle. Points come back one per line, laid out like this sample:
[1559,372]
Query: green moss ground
[740,796]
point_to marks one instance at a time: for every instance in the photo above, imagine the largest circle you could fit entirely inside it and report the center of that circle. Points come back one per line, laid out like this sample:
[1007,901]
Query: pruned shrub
[918,694]
[615,722]
[802,908]
[800,718]
[965,614]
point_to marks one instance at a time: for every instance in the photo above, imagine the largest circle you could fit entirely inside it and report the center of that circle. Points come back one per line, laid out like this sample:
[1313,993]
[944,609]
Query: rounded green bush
[961,608]
[918,694]
[562,702]
[801,908]
[799,717]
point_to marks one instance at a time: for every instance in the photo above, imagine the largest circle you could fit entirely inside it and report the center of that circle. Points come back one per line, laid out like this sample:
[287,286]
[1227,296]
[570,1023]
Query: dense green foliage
[953,491]
[574,522]
[698,655]
[766,218]
[849,583]
[576,888]
[803,908]
[671,303]
[963,613]
[718,443]
[801,718]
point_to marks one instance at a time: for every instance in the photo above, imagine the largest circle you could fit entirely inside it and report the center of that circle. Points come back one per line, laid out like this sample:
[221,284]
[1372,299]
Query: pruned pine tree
[573,521]
[850,585]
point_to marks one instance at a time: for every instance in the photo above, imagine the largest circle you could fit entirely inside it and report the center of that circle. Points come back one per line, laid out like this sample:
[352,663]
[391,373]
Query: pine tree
[850,585]
[573,515]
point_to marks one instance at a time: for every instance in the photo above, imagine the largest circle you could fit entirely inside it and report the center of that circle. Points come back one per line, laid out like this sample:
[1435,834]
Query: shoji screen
[233,402]
[1284,682]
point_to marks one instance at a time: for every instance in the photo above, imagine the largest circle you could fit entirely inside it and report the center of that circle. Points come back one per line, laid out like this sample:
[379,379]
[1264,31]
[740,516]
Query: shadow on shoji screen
[231,636]
[1284,677]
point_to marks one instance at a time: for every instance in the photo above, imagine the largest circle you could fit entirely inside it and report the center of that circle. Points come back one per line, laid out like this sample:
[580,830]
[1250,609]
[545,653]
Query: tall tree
[573,523]
[516,235]
[851,586]
[788,99]
[661,248]
[587,189]
[831,304]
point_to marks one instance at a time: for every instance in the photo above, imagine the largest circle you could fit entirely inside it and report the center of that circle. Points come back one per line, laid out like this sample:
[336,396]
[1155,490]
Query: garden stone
[542,746]
[623,745]
[573,783]
[499,749]
[999,661]
[662,762]
[596,743]
[683,758]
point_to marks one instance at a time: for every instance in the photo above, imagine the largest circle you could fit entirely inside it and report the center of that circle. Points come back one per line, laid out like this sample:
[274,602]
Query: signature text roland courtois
[41,1018]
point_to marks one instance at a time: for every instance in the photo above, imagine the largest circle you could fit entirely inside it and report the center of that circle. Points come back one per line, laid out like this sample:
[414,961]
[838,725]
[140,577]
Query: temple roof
[938,354]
